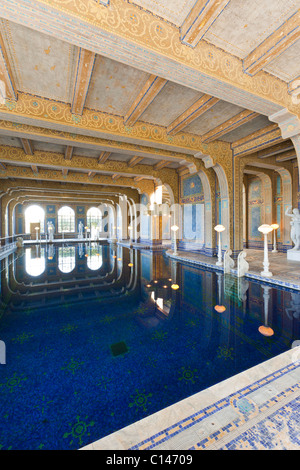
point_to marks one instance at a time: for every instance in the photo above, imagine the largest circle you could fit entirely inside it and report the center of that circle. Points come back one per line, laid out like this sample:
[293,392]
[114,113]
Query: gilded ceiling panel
[114,86]
[171,102]
[42,65]
[243,25]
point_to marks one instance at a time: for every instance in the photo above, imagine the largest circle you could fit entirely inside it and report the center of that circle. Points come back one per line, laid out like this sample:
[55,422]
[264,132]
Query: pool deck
[286,273]
[258,409]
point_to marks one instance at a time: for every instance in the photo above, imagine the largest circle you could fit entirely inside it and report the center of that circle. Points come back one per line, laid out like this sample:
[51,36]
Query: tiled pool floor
[256,409]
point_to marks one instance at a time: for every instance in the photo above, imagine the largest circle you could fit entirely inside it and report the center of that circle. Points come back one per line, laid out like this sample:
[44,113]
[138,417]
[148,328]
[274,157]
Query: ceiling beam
[199,20]
[83,74]
[64,171]
[91,174]
[138,178]
[149,91]
[34,169]
[259,140]
[276,149]
[68,152]
[103,157]
[80,163]
[2,166]
[134,161]
[116,176]
[287,156]
[8,88]
[274,45]
[193,112]
[201,68]
[229,125]
[160,165]
[27,146]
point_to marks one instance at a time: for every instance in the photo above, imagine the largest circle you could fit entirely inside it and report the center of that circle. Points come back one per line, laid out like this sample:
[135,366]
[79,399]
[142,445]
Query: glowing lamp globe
[130,264]
[174,228]
[275,226]
[265,229]
[219,228]
[266,330]
[174,286]
[220,308]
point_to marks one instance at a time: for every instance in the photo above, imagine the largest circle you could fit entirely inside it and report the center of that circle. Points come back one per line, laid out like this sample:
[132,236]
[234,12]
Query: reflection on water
[35,261]
[99,336]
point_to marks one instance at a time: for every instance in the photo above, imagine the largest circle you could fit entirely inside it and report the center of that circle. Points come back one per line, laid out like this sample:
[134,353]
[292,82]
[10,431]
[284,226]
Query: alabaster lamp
[219,229]
[265,230]
[174,229]
[274,227]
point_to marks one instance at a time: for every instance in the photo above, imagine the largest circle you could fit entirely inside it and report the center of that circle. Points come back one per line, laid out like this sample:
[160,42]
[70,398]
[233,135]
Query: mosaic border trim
[210,410]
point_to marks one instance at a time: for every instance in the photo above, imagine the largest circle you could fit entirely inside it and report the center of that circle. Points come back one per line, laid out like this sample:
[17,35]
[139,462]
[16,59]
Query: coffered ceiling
[41,64]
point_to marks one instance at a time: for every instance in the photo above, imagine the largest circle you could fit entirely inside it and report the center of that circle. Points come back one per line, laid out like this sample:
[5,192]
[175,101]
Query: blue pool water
[93,344]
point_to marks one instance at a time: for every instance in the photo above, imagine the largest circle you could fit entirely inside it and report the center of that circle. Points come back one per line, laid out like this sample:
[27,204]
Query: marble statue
[228,261]
[50,228]
[80,230]
[19,242]
[295,227]
[242,265]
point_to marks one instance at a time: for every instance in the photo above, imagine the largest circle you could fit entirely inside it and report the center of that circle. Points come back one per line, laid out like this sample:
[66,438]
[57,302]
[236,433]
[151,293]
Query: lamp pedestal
[219,262]
[266,264]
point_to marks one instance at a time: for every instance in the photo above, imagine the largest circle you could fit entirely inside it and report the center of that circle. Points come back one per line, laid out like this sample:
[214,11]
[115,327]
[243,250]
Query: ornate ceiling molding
[144,186]
[38,111]
[91,166]
[130,35]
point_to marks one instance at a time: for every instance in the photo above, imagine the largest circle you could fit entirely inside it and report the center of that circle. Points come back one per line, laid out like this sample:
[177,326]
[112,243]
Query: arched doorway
[34,220]
[94,222]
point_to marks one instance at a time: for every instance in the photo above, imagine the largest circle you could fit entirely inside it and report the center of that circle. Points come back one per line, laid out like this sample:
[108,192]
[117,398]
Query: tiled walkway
[257,409]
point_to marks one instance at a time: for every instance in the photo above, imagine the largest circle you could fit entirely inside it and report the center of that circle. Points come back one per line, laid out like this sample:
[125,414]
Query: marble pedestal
[293,255]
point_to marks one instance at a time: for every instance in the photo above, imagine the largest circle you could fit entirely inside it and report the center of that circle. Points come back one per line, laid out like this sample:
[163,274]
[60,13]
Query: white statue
[242,265]
[19,242]
[228,261]
[80,230]
[50,228]
[295,227]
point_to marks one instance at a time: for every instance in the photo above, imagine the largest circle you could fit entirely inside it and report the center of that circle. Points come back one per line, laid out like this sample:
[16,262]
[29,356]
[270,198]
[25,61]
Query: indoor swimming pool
[98,336]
